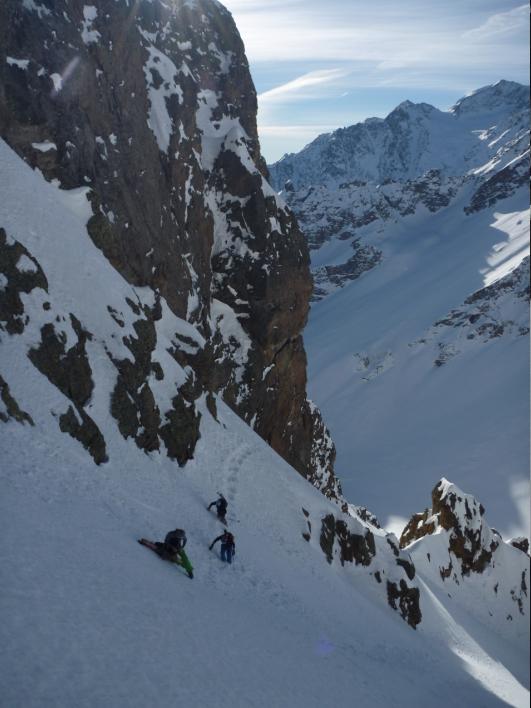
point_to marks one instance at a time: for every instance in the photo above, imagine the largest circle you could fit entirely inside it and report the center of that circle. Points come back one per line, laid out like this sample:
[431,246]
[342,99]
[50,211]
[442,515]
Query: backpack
[176,538]
[221,506]
[228,539]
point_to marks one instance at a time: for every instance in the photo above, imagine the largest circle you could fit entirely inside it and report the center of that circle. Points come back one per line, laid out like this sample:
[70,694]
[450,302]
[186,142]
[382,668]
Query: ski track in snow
[286,628]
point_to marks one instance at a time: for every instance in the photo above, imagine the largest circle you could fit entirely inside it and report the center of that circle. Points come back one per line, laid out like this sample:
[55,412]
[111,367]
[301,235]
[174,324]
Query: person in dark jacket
[228,547]
[221,507]
[173,550]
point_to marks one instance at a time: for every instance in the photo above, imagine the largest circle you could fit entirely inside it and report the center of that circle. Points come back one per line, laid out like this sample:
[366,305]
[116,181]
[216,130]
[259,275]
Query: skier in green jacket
[173,550]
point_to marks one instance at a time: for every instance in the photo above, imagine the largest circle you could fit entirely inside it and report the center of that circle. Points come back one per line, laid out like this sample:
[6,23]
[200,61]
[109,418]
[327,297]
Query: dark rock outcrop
[498,310]
[20,274]
[351,541]
[354,548]
[81,427]
[11,409]
[68,369]
[521,543]
[408,600]
[365,258]
[479,315]
[500,185]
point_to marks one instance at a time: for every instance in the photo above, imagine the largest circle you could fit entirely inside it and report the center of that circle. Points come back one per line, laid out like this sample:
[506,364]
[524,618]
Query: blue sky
[324,64]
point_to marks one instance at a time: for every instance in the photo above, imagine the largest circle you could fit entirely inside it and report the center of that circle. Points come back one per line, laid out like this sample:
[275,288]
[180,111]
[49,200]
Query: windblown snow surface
[90,619]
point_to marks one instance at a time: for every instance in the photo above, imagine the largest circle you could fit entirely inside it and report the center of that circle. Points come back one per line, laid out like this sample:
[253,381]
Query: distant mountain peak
[413,139]
[501,94]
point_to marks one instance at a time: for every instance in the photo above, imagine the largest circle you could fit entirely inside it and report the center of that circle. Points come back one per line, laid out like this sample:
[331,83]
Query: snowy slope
[89,618]
[399,420]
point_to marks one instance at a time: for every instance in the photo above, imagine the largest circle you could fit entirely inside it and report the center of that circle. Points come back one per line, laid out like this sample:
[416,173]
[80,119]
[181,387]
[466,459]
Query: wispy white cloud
[251,6]
[382,32]
[292,89]
[501,23]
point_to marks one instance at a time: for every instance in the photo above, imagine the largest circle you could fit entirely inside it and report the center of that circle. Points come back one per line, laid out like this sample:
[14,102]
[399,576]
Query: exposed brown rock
[12,317]
[408,601]
[417,528]
[86,431]
[327,537]
[469,539]
[354,548]
[12,409]
[69,370]
[367,516]
[360,549]
[181,432]
[521,543]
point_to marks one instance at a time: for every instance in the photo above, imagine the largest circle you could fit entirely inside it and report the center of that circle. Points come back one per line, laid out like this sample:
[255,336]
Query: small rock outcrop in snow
[470,540]
[353,539]
[453,546]
[497,310]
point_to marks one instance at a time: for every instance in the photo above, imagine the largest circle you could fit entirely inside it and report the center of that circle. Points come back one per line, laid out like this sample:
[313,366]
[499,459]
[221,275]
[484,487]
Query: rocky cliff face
[150,106]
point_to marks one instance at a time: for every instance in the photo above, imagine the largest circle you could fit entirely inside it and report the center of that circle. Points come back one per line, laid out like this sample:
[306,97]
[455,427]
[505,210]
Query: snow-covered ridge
[349,185]
[413,139]
[501,96]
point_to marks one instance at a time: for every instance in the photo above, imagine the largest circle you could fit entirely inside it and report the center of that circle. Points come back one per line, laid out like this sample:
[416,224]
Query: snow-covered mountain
[489,127]
[153,289]
[418,336]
